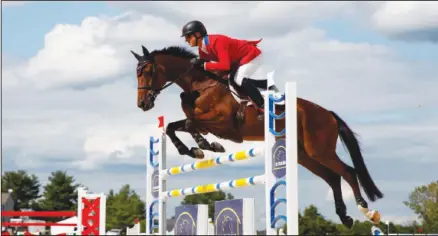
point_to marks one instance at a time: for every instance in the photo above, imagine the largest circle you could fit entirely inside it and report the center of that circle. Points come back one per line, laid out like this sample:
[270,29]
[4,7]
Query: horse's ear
[138,57]
[145,51]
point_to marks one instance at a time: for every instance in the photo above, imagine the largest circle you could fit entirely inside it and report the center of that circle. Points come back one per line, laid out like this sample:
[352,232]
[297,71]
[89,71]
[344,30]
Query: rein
[140,68]
[221,82]
[156,91]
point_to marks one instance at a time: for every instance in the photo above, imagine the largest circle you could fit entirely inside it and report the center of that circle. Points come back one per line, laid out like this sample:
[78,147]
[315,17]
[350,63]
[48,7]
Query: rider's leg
[271,82]
[244,78]
[263,84]
[252,91]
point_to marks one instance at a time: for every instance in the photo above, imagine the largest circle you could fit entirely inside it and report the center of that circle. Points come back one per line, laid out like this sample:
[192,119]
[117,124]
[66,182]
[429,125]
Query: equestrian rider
[218,52]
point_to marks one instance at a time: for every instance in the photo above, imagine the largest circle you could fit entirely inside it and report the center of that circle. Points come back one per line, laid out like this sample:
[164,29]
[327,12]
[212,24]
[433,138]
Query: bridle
[154,91]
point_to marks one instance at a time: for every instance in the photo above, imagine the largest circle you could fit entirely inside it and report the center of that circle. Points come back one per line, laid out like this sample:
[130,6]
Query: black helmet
[193,27]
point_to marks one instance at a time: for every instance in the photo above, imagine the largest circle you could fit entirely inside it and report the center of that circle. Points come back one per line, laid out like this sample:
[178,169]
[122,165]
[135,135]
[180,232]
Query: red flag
[160,121]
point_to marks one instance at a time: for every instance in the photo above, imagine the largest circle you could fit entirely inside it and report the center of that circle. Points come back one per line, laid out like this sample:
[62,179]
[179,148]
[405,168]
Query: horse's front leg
[205,145]
[188,103]
[180,146]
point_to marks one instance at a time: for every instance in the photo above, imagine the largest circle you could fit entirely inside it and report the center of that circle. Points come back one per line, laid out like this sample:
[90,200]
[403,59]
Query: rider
[218,52]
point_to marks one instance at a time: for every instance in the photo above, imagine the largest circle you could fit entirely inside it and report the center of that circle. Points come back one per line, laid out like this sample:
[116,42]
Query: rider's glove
[197,62]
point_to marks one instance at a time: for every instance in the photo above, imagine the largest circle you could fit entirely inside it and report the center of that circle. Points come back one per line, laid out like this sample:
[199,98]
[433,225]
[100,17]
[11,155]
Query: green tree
[313,223]
[25,188]
[60,194]
[423,200]
[207,198]
[359,228]
[285,224]
[123,208]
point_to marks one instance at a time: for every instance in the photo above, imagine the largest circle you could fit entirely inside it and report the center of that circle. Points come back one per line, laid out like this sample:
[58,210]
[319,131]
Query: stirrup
[260,116]
[273,87]
[260,113]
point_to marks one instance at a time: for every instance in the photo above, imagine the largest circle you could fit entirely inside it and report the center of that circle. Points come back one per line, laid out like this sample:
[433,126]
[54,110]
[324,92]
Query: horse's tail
[348,137]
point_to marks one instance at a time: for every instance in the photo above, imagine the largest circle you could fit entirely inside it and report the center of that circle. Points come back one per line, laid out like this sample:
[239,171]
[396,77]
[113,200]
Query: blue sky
[381,84]
[25,41]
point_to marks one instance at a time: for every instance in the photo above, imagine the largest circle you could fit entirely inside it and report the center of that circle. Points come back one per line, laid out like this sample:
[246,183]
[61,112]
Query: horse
[210,107]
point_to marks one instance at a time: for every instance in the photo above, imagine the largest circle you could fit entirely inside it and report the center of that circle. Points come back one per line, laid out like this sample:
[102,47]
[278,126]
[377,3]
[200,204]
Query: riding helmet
[193,27]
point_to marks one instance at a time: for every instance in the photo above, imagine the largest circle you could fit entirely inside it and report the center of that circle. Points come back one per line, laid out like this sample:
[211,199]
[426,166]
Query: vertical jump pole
[269,177]
[162,223]
[156,184]
[280,161]
[81,194]
[292,158]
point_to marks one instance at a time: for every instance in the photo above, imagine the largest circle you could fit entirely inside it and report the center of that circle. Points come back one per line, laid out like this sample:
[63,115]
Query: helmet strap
[197,38]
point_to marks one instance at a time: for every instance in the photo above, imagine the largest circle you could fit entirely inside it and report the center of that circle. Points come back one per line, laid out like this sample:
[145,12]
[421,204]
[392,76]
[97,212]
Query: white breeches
[252,70]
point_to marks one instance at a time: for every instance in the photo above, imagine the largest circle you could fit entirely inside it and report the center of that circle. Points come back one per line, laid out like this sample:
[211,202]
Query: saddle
[242,98]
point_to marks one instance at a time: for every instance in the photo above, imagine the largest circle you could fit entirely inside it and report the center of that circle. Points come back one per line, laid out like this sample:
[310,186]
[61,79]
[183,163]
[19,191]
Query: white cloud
[268,17]
[12,77]
[314,60]
[397,18]
[96,50]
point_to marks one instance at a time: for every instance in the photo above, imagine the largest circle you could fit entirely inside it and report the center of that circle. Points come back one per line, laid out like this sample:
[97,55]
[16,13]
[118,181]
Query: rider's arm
[223,57]
[203,55]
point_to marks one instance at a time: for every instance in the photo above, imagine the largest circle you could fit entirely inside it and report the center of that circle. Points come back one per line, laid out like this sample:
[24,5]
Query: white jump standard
[281,161]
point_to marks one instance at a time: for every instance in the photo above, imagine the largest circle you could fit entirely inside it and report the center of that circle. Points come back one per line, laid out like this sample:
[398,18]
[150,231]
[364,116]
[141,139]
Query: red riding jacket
[226,51]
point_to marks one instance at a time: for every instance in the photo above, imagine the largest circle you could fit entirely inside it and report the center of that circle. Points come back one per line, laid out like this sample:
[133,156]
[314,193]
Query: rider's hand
[197,62]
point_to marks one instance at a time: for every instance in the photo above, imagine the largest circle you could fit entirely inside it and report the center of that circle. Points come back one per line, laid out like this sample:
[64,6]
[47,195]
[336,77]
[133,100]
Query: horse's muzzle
[149,102]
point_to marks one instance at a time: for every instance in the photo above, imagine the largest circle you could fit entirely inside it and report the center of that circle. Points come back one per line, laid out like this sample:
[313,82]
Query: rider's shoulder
[217,36]
[213,38]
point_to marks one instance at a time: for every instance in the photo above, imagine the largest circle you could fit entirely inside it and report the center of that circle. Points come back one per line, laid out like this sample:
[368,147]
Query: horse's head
[151,79]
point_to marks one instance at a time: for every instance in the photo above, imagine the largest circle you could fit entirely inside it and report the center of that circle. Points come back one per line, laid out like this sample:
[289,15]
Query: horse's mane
[175,51]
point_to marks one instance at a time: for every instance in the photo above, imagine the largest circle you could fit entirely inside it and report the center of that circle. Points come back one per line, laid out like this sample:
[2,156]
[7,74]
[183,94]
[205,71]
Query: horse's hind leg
[180,146]
[320,137]
[349,174]
[333,180]
[205,145]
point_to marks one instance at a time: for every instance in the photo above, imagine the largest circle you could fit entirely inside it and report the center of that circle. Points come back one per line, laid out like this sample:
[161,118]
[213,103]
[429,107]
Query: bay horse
[210,107]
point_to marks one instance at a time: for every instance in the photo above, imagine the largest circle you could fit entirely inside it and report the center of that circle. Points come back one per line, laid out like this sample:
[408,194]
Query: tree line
[125,206]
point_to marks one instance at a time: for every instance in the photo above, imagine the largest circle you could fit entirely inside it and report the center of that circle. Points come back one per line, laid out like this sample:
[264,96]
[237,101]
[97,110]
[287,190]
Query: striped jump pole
[210,163]
[280,169]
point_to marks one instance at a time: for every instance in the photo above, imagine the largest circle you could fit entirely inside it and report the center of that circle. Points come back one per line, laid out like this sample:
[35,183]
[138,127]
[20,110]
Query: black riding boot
[263,84]
[252,92]
[274,88]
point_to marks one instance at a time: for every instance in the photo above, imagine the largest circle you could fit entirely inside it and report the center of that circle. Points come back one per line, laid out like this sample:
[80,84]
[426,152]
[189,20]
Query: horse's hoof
[375,218]
[204,146]
[197,153]
[347,221]
[217,147]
